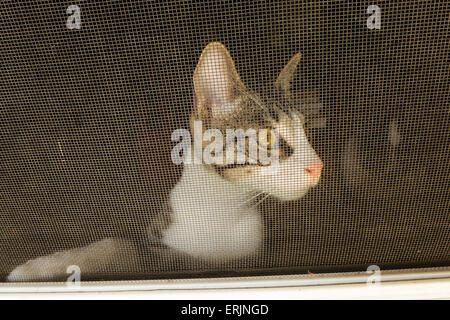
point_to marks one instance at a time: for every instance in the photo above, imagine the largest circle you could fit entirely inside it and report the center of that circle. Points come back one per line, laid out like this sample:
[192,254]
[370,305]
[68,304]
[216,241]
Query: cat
[210,216]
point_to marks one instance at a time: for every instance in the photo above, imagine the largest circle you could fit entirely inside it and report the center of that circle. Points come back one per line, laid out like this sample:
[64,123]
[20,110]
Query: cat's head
[222,101]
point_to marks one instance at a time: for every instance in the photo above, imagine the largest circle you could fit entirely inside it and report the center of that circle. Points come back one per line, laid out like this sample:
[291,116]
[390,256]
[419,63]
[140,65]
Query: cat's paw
[40,269]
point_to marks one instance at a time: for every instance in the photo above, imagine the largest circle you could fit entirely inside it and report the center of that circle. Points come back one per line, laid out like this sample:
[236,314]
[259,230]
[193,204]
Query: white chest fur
[210,218]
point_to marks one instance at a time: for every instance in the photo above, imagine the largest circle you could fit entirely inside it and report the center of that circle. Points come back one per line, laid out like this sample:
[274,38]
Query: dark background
[86,117]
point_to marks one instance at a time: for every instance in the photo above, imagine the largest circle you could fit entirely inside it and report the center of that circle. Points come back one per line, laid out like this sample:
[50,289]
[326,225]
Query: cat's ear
[284,80]
[216,83]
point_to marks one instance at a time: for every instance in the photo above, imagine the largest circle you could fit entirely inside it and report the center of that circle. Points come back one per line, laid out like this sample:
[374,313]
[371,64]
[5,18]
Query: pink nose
[314,169]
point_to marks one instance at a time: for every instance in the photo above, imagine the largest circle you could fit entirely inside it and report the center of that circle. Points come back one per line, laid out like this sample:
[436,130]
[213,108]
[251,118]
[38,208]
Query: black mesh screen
[86,117]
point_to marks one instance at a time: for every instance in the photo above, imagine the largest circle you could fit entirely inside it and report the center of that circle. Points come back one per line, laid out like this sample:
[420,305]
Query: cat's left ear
[216,83]
[284,80]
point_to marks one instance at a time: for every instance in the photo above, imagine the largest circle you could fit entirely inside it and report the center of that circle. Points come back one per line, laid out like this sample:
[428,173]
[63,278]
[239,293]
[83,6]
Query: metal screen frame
[441,273]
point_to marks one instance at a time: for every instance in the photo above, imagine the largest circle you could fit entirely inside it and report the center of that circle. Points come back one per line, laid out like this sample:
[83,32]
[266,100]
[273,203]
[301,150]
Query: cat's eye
[266,137]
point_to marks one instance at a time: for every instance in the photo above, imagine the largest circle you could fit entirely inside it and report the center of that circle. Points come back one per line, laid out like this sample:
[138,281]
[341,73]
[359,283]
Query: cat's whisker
[262,199]
[253,197]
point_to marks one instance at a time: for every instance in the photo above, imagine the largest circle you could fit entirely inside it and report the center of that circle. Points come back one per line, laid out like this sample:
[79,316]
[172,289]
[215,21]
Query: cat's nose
[314,169]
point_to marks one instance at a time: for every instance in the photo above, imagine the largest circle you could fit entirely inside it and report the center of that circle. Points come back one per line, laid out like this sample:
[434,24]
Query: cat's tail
[106,257]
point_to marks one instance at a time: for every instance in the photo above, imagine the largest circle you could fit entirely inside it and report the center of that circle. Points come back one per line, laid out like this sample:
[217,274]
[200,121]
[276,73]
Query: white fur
[210,218]
[107,254]
[290,181]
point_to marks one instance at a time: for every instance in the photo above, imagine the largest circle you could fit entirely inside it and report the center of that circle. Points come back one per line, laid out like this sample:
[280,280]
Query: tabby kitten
[211,216]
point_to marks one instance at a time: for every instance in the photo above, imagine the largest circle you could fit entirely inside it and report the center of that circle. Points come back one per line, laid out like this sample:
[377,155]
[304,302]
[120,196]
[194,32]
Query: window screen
[91,93]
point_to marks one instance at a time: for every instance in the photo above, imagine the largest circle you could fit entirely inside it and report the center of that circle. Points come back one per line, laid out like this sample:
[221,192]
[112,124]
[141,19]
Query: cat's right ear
[284,80]
[216,83]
